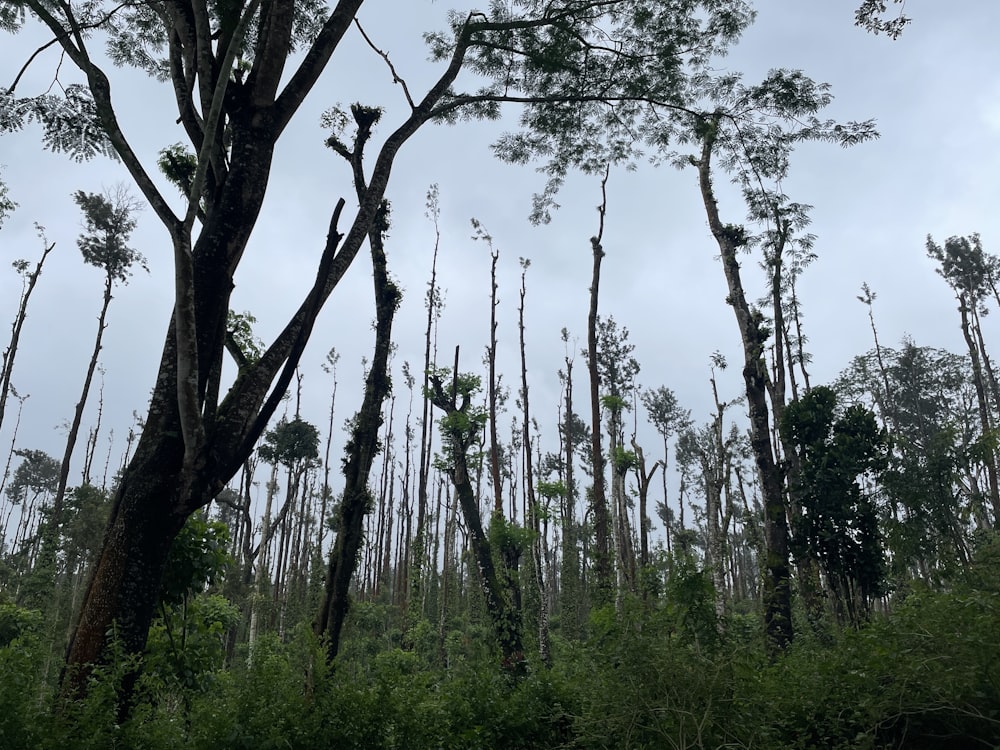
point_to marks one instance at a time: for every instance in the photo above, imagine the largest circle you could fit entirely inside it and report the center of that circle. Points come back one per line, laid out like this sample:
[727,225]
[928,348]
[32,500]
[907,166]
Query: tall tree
[109,222]
[603,561]
[754,128]
[461,422]
[972,273]
[531,499]
[234,99]
[617,369]
[839,522]
[363,445]
[669,419]
[433,301]
[29,278]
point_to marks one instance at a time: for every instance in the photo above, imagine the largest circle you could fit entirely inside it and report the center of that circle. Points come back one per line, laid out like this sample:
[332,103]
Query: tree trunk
[500,593]
[30,279]
[603,563]
[537,547]
[491,355]
[777,591]
[74,429]
[984,411]
[363,445]
[426,431]
[572,585]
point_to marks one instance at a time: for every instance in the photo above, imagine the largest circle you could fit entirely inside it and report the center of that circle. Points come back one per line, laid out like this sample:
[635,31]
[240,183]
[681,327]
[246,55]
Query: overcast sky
[935,94]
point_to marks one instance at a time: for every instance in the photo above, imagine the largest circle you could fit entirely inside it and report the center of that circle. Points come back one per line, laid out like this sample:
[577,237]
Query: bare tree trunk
[74,429]
[332,358]
[499,591]
[363,445]
[603,563]
[538,557]
[257,595]
[571,589]
[984,412]
[91,445]
[426,431]
[30,280]
[491,356]
[645,479]
[777,589]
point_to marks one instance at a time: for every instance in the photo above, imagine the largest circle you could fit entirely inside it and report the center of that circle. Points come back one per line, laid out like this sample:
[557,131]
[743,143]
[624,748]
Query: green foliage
[870,15]
[839,524]
[109,222]
[69,119]
[6,204]
[616,365]
[187,642]
[507,537]
[38,473]
[925,676]
[240,327]
[623,460]
[16,622]
[22,659]
[85,517]
[178,165]
[197,558]
[551,490]
[968,269]
[290,443]
[690,603]
[664,411]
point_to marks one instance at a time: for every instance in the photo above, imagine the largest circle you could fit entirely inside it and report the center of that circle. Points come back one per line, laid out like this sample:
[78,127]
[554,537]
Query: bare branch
[385,56]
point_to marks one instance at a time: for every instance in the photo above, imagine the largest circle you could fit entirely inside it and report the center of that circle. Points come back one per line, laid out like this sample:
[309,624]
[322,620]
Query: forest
[452,546]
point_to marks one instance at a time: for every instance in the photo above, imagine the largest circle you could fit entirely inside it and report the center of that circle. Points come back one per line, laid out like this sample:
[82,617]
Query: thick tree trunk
[125,580]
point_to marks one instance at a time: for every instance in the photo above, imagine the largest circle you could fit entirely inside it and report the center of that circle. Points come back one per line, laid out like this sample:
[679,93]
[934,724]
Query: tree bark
[10,352]
[603,563]
[503,606]
[777,590]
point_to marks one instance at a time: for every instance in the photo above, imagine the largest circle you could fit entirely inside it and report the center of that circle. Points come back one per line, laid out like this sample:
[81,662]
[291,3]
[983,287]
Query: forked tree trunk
[363,445]
[499,588]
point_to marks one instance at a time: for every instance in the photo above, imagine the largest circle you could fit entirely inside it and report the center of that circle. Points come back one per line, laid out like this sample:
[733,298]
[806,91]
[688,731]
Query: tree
[617,369]
[933,486]
[603,562]
[295,445]
[839,522]
[109,221]
[28,281]
[234,98]
[972,275]
[434,302]
[363,444]
[459,427]
[754,148]
[669,419]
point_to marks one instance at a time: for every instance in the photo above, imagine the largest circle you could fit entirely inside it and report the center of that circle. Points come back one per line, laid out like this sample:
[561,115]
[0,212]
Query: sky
[934,92]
